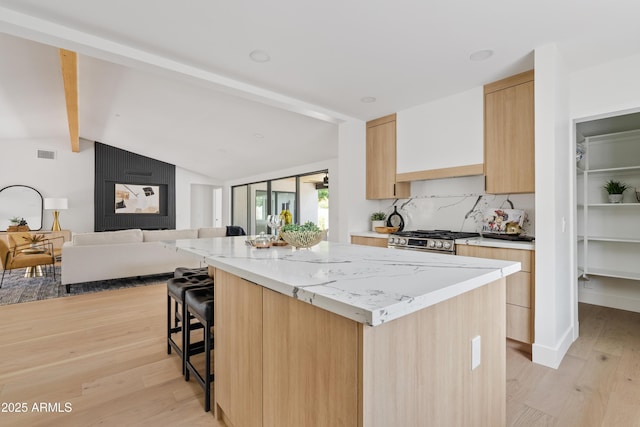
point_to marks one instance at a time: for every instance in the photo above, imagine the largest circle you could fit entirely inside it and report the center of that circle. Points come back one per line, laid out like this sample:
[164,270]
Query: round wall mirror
[20,201]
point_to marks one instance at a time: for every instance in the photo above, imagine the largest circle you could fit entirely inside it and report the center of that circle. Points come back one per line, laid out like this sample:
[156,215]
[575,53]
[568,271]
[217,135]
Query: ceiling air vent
[46,154]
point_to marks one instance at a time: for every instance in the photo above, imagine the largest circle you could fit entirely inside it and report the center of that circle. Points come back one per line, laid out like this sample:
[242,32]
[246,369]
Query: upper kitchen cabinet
[381,160]
[509,135]
[442,138]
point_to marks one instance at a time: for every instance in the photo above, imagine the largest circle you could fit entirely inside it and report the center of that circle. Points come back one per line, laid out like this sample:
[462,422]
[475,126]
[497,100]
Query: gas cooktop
[436,234]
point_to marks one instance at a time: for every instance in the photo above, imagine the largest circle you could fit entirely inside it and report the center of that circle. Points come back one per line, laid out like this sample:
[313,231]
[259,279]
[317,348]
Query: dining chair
[23,256]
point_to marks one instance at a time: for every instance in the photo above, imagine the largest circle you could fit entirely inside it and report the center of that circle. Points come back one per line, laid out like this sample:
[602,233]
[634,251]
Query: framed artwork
[137,199]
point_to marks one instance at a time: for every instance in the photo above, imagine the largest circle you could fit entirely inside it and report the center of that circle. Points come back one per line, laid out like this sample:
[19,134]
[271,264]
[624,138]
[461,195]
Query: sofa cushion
[107,237]
[158,235]
[212,232]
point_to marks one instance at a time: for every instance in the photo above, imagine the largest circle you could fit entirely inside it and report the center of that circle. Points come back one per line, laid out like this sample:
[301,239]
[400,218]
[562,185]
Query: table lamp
[55,205]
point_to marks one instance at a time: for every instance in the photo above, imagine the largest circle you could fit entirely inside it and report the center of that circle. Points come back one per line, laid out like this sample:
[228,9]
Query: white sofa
[127,253]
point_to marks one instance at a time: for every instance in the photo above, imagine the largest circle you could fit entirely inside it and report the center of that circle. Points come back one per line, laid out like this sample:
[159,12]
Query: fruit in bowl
[302,236]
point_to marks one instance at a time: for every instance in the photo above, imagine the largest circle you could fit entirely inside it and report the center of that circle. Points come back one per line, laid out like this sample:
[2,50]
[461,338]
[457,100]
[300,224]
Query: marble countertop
[367,284]
[496,243]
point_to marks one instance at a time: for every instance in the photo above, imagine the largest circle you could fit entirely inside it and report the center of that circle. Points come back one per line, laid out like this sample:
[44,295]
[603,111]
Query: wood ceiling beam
[69,64]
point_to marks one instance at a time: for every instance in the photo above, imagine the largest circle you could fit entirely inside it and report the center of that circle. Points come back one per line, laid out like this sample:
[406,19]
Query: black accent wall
[112,166]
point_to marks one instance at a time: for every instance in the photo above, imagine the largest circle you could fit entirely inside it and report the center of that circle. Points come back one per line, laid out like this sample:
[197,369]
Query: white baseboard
[552,356]
[612,301]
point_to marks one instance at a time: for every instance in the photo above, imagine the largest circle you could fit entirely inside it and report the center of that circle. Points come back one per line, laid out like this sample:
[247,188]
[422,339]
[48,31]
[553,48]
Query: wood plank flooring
[597,383]
[105,354]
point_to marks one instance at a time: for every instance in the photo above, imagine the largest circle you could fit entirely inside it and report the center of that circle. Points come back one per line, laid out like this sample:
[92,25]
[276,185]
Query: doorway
[608,234]
[206,206]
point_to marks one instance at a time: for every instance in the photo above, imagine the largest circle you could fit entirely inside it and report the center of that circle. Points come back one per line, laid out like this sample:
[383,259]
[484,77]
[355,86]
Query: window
[306,196]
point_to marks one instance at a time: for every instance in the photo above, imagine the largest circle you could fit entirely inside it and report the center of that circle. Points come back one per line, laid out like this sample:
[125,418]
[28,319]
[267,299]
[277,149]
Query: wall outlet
[475,352]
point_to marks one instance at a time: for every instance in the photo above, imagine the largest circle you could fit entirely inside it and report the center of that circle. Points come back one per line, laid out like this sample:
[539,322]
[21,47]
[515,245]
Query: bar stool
[176,289]
[199,303]
[186,271]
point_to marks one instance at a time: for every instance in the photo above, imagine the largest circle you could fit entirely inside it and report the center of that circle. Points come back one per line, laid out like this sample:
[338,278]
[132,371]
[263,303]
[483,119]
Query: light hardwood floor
[597,383]
[105,354]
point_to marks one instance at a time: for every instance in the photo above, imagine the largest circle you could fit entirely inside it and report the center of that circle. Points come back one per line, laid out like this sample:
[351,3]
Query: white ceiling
[173,80]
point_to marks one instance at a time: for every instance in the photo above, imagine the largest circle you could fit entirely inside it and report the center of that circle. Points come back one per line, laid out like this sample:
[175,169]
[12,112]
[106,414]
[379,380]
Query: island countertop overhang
[367,284]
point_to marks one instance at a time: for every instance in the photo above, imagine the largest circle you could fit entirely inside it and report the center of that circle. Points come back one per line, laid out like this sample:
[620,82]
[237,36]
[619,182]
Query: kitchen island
[357,336]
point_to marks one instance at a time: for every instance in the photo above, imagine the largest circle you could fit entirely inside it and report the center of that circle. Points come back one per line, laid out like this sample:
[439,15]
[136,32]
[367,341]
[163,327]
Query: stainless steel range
[441,241]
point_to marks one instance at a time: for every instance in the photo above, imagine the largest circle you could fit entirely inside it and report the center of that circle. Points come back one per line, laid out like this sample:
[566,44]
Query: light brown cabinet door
[369,241]
[310,365]
[381,160]
[509,135]
[238,350]
[520,288]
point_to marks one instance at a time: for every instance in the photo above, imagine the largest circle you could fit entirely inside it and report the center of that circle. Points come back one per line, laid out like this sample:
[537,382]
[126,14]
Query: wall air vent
[46,154]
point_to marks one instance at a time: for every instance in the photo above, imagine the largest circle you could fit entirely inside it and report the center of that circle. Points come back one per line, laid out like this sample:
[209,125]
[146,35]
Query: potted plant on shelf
[377,220]
[615,190]
[15,221]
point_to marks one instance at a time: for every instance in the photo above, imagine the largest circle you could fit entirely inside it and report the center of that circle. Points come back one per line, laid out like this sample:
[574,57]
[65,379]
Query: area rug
[17,289]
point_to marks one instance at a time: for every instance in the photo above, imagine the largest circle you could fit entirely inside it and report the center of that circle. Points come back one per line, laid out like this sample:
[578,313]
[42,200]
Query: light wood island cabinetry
[381,160]
[520,310]
[355,336]
[283,362]
[509,135]
[238,349]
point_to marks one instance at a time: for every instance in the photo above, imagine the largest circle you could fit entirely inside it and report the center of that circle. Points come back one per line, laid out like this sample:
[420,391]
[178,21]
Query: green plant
[615,187]
[378,216]
[307,226]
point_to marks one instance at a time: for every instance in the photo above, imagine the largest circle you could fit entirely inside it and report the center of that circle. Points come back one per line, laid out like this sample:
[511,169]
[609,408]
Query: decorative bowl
[387,230]
[302,239]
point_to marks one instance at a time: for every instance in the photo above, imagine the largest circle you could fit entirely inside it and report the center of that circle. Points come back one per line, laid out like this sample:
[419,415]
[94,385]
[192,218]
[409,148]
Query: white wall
[605,89]
[308,203]
[354,209]
[601,91]
[554,156]
[70,175]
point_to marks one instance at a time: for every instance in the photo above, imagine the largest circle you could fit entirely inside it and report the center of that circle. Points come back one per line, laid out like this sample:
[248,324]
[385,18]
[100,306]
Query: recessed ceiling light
[481,55]
[258,135]
[259,56]
[368,99]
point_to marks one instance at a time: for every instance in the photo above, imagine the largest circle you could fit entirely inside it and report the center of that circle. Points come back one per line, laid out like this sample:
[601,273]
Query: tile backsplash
[448,204]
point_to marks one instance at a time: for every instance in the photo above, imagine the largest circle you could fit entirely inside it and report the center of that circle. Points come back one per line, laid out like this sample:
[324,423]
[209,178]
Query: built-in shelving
[613,239]
[609,233]
[612,170]
[609,273]
[613,205]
